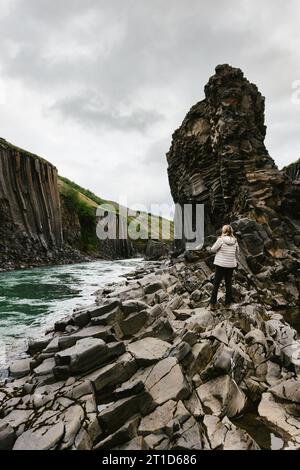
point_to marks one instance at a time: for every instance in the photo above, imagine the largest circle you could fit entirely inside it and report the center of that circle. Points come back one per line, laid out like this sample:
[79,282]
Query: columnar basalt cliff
[29,207]
[293,171]
[49,220]
[218,158]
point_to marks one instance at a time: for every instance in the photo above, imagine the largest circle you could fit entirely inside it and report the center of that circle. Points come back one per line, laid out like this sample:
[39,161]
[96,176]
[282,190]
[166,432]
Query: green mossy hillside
[84,203]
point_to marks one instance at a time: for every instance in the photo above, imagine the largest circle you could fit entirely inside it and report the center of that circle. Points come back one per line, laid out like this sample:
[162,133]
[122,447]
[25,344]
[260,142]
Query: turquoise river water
[32,300]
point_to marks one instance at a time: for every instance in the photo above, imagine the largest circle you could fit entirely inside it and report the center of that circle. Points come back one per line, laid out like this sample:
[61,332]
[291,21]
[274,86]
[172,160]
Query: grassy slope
[85,203]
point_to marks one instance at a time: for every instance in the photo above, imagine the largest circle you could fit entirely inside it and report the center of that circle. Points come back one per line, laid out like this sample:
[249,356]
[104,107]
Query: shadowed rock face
[29,205]
[293,171]
[218,158]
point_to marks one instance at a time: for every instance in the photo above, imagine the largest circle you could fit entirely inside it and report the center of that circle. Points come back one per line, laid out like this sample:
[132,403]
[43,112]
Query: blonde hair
[227,231]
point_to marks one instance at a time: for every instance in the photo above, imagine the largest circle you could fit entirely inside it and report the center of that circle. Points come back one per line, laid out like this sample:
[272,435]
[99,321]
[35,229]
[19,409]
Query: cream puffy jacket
[227,250]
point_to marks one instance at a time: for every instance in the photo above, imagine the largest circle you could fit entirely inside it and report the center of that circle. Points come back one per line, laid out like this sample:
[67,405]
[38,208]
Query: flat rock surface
[166,381]
[148,350]
[41,439]
[20,367]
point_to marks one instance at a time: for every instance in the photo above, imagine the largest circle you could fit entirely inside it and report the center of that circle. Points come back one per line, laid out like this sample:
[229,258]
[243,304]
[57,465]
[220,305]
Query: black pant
[221,273]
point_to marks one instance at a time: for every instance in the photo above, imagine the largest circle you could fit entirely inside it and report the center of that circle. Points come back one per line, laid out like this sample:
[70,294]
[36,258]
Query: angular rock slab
[17,417]
[202,353]
[225,435]
[222,396]
[155,422]
[115,414]
[44,438]
[283,416]
[148,350]
[124,434]
[107,306]
[166,382]
[19,368]
[285,338]
[222,332]
[73,418]
[114,373]
[200,319]
[190,436]
[131,306]
[7,436]
[133,322]
[99,331]
[153,287]
[107,318]
[220,364]
[45,367]
[287,390]
[83,356]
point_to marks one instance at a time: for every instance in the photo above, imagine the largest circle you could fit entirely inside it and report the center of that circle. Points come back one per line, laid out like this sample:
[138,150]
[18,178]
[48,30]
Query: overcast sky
[97,87]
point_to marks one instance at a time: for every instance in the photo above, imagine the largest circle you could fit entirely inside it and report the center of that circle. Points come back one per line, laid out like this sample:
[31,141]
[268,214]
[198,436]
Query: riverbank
[148,366]
[32,300]
[154,250]
[50,259]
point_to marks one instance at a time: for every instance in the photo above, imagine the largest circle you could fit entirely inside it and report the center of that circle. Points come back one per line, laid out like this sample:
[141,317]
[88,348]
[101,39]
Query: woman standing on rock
[227,250]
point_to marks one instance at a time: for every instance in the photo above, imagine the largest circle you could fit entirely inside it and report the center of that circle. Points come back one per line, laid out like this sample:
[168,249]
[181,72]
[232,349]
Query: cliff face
[79,205]
[46,219]
[293,170]
[70,224]
[79,224]
[218,158]
[29,206]
[218,154]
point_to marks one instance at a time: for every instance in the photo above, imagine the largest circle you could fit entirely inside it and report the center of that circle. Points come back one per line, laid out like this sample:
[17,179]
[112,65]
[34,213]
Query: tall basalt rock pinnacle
[218,158]
[30,217]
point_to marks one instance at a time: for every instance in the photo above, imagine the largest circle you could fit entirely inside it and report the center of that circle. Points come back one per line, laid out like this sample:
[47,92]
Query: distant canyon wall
[293,171]
[43,221]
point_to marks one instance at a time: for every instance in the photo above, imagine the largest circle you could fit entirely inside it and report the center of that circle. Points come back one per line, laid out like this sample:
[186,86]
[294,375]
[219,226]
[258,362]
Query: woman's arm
[216,246]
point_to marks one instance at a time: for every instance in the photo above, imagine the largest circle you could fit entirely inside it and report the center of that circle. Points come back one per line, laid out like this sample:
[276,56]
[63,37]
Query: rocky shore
[148,366]
[61,257]
[154,250]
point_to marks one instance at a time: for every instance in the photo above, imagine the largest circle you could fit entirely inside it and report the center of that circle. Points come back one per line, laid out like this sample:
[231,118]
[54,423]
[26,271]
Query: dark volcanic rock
[293,170]
[156,249]
[41,221]
[218,158]
[29,206]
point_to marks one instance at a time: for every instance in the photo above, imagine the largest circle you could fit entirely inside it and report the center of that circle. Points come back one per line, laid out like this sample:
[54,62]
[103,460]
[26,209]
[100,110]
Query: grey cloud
[89,111]
[153,157]
[124,65]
